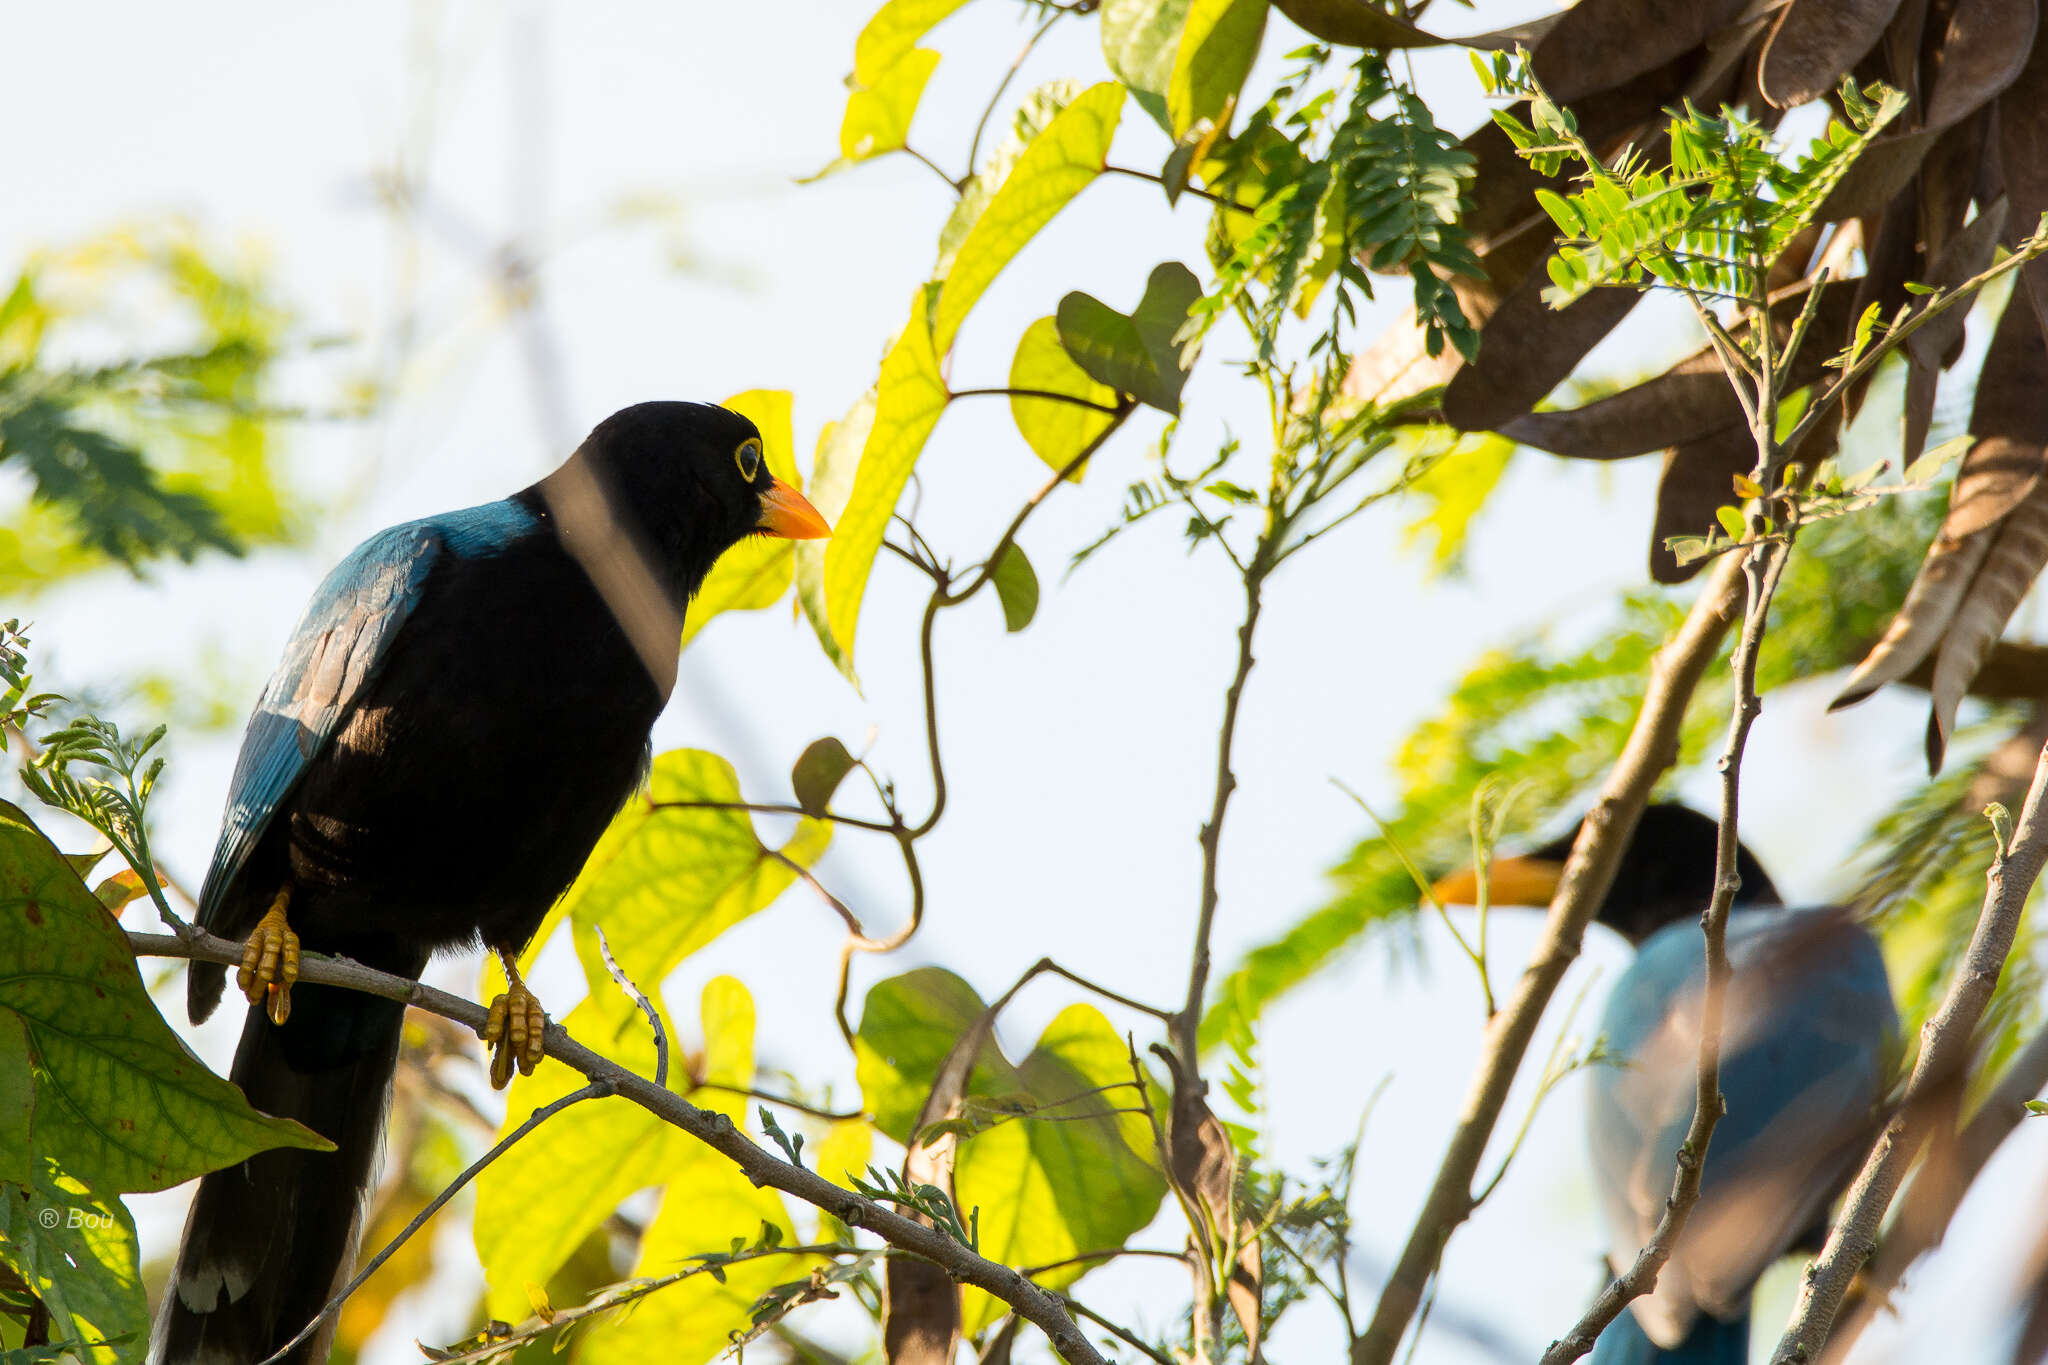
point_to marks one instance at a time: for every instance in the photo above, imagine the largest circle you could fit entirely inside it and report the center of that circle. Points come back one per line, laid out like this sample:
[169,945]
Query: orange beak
[787,513]
[1513,881]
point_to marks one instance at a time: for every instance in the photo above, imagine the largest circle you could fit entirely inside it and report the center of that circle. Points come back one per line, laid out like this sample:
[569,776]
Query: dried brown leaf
[1528,349]
[1355,23]
[2010,423]
[2022,153]
[1983,52]
[1689,401]
[1699,477]
[1599,44]
[1930,605]
[1202,1164]
[2018,552]
[920,1302]
[1815,42]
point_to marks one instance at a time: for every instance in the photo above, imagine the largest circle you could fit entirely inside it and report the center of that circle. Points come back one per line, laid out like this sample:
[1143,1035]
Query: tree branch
[1945,1044]
[1764,567]
[1041,1308]
[1652,748]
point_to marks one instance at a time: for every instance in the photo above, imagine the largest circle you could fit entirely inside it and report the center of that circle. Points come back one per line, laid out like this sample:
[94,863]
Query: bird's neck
[621,565]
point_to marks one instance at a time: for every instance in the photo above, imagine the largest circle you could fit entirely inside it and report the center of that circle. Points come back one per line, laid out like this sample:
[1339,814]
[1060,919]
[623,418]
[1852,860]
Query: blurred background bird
[1809,1039]
[479,682]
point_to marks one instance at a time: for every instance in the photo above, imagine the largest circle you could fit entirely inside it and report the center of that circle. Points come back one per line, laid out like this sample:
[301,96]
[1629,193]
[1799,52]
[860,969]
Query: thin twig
[596,1089]
[1049,395]
[988,111]
[830,1115]
[638,997]
[1708,1107]
[1036,1305]
[1945,1044]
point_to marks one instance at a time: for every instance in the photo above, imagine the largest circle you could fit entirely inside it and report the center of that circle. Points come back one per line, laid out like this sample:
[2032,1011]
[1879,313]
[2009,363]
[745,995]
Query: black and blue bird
[462,709]
[1809,1042]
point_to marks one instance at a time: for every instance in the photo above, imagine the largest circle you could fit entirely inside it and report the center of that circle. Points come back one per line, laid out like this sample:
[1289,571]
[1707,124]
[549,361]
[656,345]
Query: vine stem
[1042,1308]
[1945,1045]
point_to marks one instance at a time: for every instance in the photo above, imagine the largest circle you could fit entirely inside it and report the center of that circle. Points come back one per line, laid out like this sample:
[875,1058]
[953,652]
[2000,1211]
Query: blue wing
[1809,1038]
[337,648]
[347,629]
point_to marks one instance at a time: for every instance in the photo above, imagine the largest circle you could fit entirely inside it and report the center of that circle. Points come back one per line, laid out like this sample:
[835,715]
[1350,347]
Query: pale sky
[1081,751]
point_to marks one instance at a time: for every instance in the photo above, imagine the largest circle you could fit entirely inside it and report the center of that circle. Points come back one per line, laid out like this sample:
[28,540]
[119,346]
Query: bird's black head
[689,481]
[1666,873]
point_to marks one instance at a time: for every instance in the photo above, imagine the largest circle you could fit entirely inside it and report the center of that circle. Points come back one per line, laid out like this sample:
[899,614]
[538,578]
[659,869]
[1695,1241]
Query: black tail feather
[269,1241]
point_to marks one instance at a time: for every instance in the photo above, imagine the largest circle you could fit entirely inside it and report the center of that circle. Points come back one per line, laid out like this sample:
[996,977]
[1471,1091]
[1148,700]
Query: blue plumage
[332,654]
[1808,1042]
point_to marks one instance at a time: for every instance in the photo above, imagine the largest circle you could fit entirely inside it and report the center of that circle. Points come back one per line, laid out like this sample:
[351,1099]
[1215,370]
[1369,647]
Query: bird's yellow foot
[514,1029]
[270,961]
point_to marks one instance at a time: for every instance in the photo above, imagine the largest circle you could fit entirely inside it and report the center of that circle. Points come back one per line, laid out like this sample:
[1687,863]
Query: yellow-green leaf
[1059,164]
[77,1252]
[1073,1177]
[116,1096]
[832,468]
[878,115]
[756,572]
[908,401]
[666,879]
[537,1202]
[1453,491]
[1217,48]
[707,1204]
[1066,1174]
[1033,115]
[893,31]
[1056,431]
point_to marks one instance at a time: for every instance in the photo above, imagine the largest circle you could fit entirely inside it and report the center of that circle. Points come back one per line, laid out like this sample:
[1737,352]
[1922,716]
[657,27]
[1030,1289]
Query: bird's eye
[748,458]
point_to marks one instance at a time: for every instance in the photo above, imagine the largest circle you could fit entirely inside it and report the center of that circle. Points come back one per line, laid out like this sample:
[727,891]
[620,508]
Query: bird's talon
[270,962]
[515,1032]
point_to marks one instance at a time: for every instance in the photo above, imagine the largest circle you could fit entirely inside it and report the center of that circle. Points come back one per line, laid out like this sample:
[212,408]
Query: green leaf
[1217,48]
[756,572]
[1071,1176]
[1139,40]
[707,1205]
[1057,432]
[1731,522]
[878,115]
[2037,1107]
[99,1056]
[1059,164]
[1137,354]
[832,470]
[553,1188]
[1061,1182]
[908,1024]
[1033,116]
[77,1252]
[1930,464]
[908,400]
[819,770]
[1016,584]
[17,1102]
[893,31]
[666,880]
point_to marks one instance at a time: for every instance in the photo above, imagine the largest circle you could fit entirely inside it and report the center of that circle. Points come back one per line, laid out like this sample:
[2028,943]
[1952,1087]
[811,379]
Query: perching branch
[1763,568]
[1945,1044]
[1040,1307]
[1651,749]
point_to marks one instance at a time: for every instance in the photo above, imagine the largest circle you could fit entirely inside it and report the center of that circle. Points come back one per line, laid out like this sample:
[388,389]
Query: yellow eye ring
[748,458]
